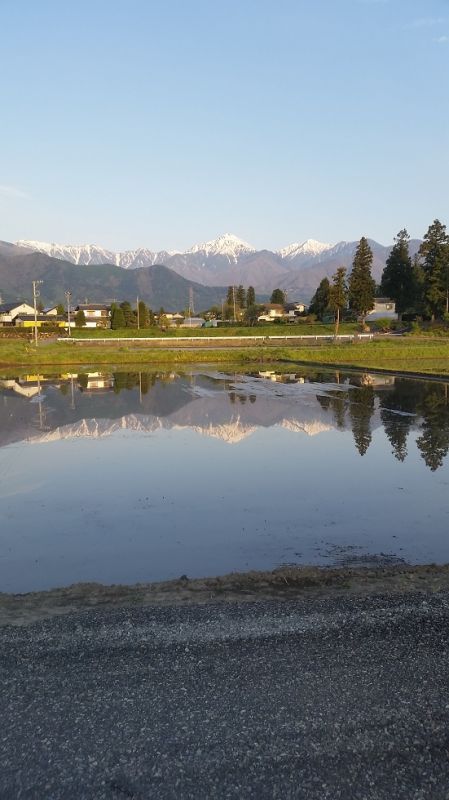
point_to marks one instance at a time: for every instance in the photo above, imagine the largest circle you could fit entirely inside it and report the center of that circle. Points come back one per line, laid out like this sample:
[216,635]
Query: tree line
[241,305]
[418,285]
[123,315]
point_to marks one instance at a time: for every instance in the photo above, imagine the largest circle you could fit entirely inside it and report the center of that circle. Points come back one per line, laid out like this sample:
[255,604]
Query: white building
[9,311]
[384,308]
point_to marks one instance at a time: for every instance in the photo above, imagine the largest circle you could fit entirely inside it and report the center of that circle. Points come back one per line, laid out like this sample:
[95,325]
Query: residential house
[193,322]
[95,382]
[9,311]
[29,321]
[383,308]
[272,311]
[97,315]
[293,310]
[52,311]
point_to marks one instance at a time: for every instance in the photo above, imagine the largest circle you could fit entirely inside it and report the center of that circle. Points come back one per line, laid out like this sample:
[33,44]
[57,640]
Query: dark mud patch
[284,583]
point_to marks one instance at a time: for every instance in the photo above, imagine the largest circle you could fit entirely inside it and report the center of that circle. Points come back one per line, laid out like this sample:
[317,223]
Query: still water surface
[126,477]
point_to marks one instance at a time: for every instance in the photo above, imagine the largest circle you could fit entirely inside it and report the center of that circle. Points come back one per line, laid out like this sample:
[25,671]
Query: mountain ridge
[156,285]
[227,260]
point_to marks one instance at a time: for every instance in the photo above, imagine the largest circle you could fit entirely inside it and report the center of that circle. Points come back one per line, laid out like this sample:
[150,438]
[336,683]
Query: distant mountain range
[157,285]
[164,278]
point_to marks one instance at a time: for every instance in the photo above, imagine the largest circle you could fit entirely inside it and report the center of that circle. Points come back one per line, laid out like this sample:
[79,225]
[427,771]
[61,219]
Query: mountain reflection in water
[122,477]
[229,406]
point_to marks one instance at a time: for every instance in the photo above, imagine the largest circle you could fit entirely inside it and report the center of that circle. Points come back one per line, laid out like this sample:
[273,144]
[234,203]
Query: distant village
[23,315]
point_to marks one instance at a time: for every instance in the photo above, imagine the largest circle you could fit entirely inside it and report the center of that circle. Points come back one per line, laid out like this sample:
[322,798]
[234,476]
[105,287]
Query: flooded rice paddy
[124,477]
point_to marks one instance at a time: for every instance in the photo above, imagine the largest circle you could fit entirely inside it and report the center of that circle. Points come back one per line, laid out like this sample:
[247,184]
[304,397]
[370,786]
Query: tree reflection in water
[361,409]
[433,443]
[407,405]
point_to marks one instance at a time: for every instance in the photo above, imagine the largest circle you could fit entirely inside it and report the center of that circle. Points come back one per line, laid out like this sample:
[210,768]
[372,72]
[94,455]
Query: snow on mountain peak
[311,247]
[226,245]
[85,254]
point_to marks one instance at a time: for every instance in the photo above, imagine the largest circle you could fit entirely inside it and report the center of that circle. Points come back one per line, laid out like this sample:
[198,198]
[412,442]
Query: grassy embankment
[402,355]
[301,329]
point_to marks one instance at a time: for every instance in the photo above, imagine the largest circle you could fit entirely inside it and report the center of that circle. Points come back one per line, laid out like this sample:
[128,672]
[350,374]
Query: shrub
[383,324]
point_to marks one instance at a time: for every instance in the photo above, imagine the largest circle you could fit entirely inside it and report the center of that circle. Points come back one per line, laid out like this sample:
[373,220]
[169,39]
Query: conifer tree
[278,296]
[418,284]
[129,314]
[362,286]
[320,300]
[397,278]
[250,296]
[338,295]
[230,296]
[144,317]
[434,254]
[117,318]
[241,296]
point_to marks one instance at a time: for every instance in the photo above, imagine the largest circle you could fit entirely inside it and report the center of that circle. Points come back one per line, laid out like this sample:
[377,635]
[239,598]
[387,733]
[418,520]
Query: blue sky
[165,122]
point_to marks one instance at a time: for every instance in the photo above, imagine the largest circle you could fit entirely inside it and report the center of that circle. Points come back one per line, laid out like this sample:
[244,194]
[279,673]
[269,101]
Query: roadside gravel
[320,697]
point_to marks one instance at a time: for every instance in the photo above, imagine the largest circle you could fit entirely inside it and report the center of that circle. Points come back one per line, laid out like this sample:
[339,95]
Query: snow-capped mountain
[308,248]
[226,245]
[226,260]
[85,254]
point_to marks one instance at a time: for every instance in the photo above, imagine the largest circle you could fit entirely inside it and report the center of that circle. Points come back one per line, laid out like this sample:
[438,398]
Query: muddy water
[126,477]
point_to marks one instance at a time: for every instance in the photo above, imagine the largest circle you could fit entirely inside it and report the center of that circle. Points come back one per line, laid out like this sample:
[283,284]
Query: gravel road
[320,698]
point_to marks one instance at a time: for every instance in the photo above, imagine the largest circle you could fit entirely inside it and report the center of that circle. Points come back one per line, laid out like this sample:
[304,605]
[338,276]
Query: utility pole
[36,294]
[233,299]
[222,311]
[138,314]
[191,308]
[68,297]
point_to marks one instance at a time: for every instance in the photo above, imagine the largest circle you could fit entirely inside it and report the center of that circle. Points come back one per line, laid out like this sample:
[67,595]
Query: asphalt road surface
[334,698]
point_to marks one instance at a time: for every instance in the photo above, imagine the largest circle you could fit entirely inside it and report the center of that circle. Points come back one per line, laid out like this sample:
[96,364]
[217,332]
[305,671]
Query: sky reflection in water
[132,477]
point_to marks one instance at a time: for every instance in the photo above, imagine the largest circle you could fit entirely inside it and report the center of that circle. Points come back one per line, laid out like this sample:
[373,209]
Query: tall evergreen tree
[117,318]
[129,314]
[144,317]
[338,295]
[362,286]
[241,297]
[230,296]
[250,296]
[419,280]
[397,278]
[320,300]
[277,296]
[434,254]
